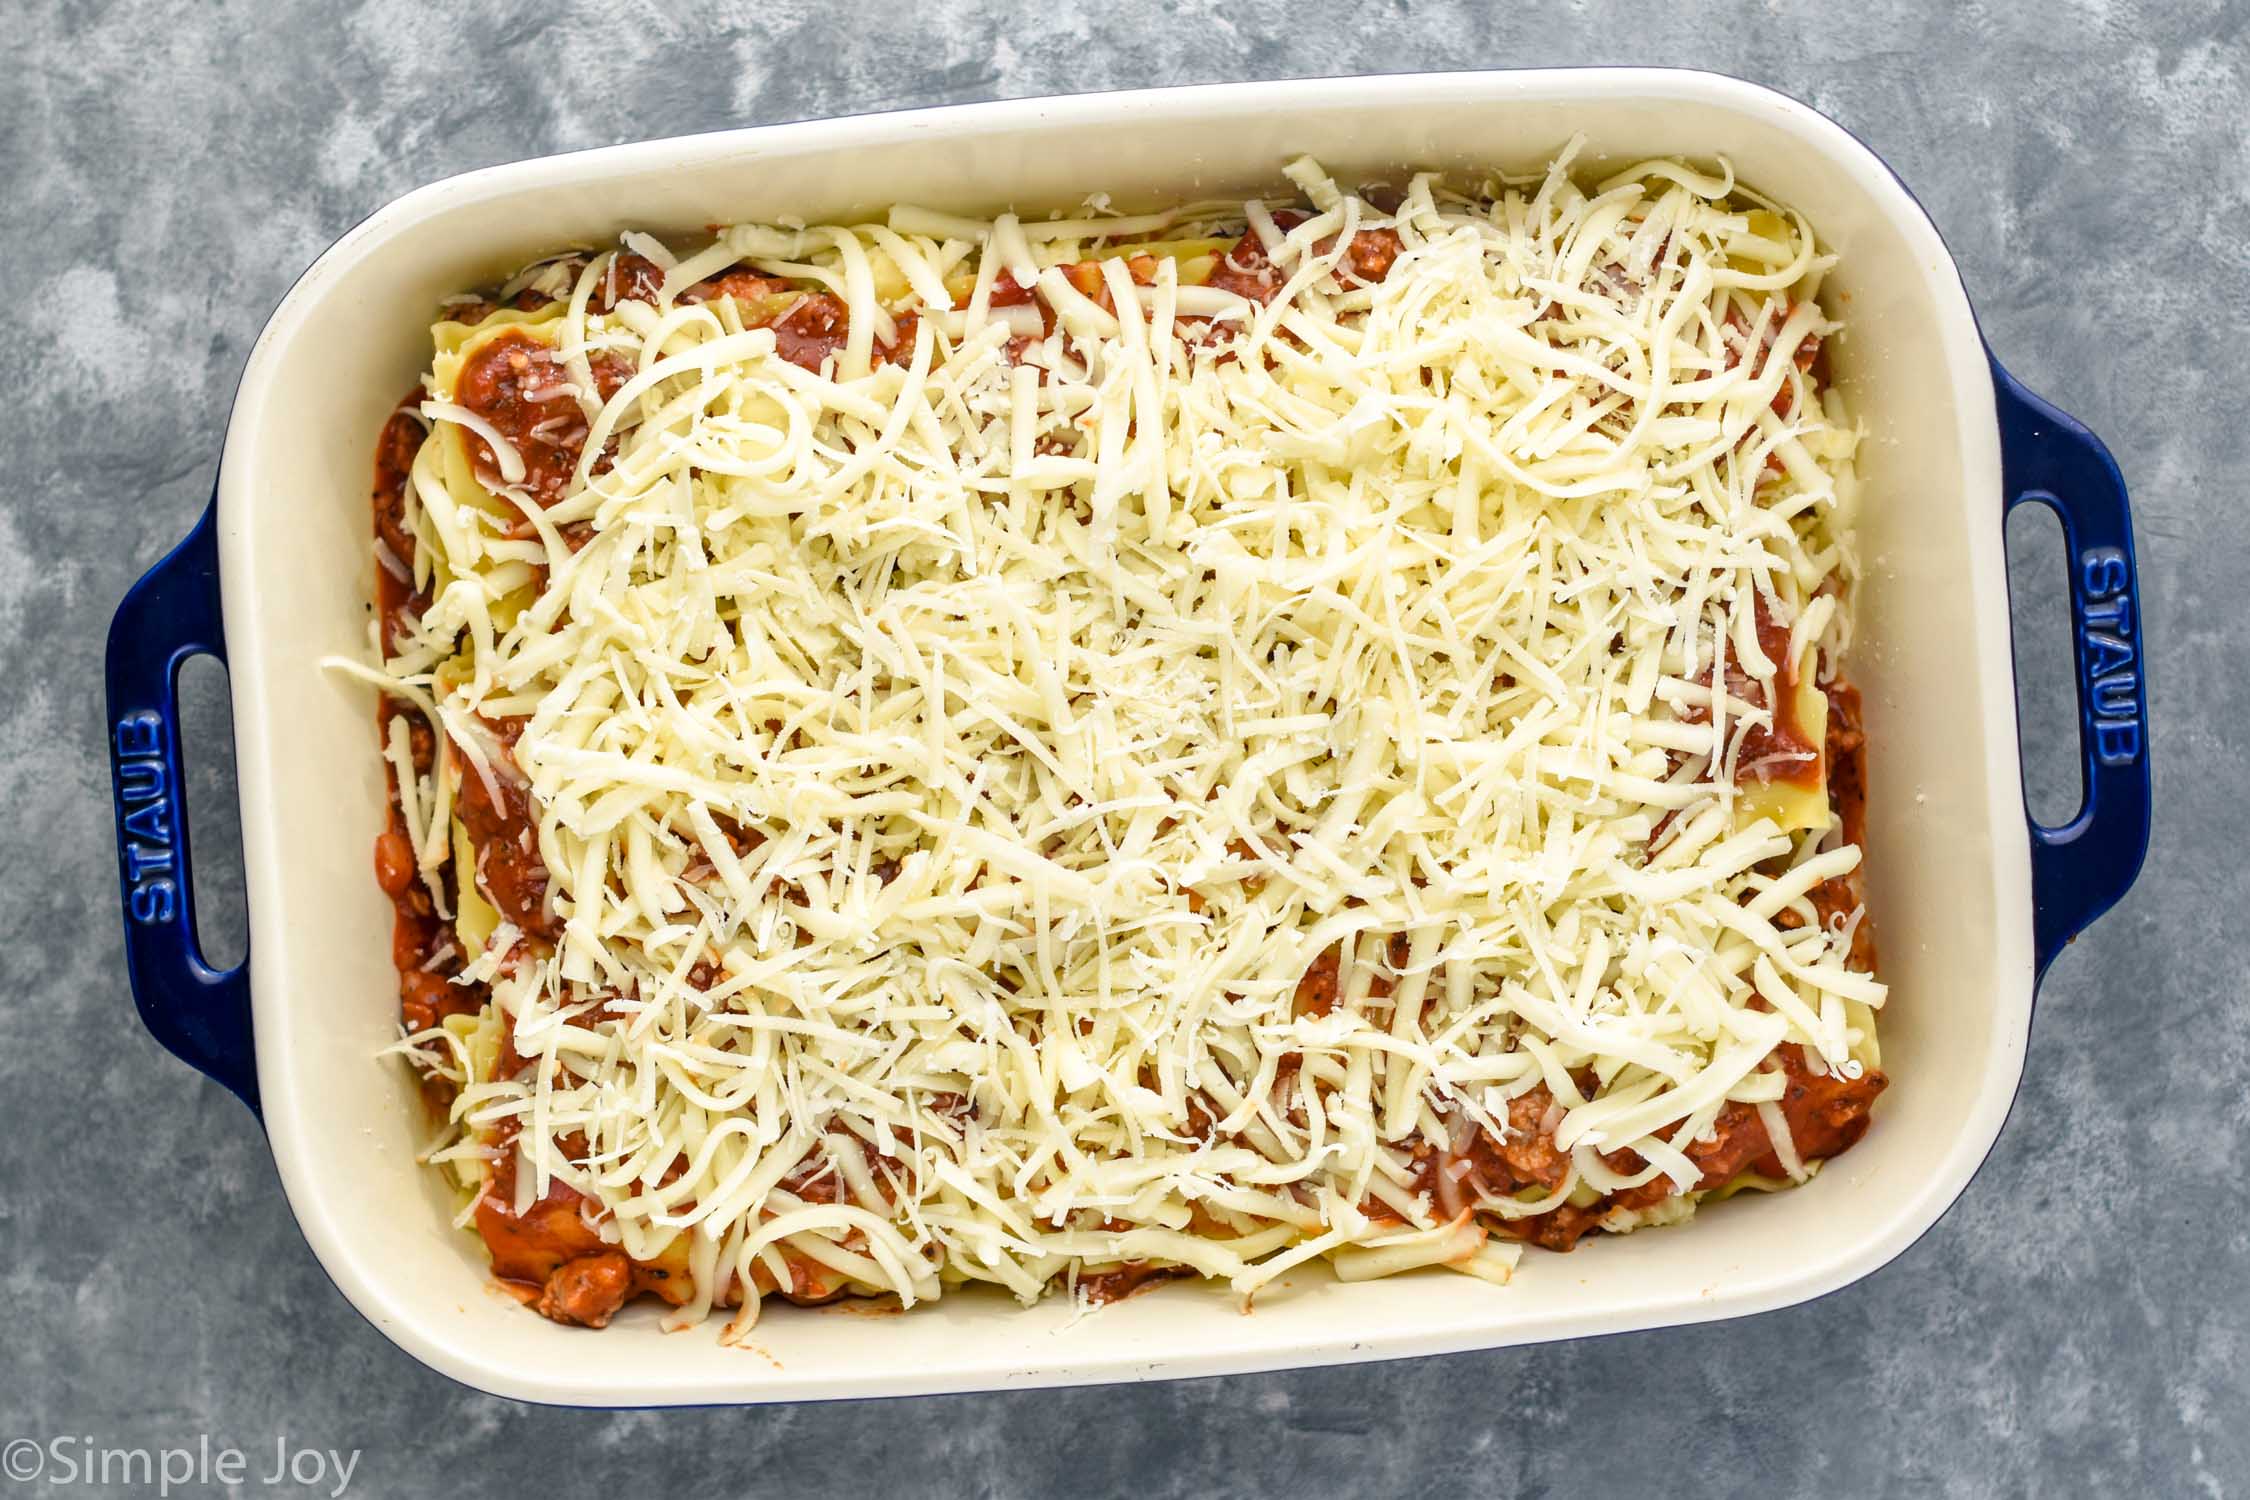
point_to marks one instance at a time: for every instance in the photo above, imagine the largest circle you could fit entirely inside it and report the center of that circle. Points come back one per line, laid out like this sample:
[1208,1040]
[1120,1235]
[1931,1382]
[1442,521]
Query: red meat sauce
[1782,749]
[1116,1283]
[1835,900]
[550,1255]
[553,1257]
[396,603]
[423,946]
[1826,1112]
[1319,991]
[423,949]
[515,382]
[1736,337]
[503,827]
[1248,269]
[807,331]
[817,1179]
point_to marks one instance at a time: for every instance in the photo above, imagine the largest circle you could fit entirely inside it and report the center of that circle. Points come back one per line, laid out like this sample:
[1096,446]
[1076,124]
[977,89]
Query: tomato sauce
[423,950]
[1847,761]
[502,823]
[515,382]
[589,1290]
[1119,1282]
[548,1254]
[1489,1166]
[1248,269]
[397,605]
[1369,257]
[818,326]
[1558,1229]
[1735,336]
[530,1246]
[635,278]
[1008,292]
[1316,992]
[423,947]
[628,278]
[1827,1114]
[1782,750]
[741,283]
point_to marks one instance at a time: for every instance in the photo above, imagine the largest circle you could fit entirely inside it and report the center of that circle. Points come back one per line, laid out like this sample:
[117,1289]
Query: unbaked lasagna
[1065,751]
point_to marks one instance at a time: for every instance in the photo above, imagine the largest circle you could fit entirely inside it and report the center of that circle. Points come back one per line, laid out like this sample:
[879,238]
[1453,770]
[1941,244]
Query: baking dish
[275,576]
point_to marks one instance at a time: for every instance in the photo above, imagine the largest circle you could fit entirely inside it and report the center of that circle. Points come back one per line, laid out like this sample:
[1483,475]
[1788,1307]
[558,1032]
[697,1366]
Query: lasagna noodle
[1065,753]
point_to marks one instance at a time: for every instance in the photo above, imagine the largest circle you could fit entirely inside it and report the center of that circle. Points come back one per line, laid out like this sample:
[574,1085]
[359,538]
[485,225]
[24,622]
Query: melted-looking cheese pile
[1067,706]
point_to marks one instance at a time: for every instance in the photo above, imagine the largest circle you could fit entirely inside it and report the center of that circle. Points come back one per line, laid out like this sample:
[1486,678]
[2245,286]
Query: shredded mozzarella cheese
[949,762]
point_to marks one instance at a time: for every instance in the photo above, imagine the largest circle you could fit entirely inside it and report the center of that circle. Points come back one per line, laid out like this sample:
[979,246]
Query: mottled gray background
[2078,1324]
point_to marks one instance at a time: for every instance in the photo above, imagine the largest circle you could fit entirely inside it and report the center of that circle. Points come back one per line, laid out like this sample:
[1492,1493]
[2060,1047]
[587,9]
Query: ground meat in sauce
[530,1246]
[516,383]
[816,1180]
[627,278]
[1248,270]
[1735,337]
[1827,1112]
[501,822]
[1369,257]
[548,1254]
[1847,761]
[423,949]
[1116,1283]
[1836,902]
[817,326]
[1841,899]
[1529,1152]
[1558,1229]
[400,440]
[740,283]
[396,603]
[1317,990]
[1783,749]
[1491,1166]
[634,278]
[811,331]
[475,310]
[587,1291]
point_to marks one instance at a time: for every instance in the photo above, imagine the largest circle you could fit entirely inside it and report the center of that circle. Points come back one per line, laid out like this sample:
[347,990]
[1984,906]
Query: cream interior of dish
[950,764]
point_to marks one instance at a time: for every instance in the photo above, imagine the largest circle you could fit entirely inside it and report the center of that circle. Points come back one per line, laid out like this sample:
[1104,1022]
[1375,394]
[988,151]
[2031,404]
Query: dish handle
[201,1014]
[2079,869]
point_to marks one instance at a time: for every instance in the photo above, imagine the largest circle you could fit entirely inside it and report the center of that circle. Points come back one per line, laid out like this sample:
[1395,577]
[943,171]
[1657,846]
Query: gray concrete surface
[2079,1324]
